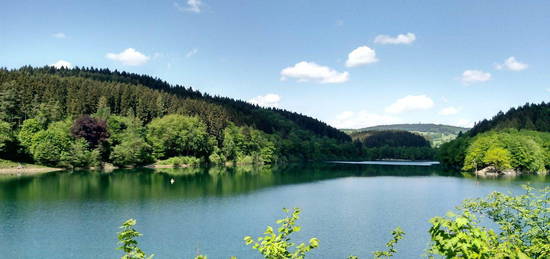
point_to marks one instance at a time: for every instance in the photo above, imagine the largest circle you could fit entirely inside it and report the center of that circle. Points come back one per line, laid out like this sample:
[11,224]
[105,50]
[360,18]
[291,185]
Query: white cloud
[449,111]
[129,57]
[192,6]
[62,63]
[191,53]
[59,35]
[361,119]
[309,71]
[512,64]
[361,56]
[268,100]
[399,39]
[464,123]
[410,103]
[475,76]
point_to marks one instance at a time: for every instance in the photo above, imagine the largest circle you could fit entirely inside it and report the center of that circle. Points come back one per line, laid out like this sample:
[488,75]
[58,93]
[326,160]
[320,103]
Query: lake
[351,208]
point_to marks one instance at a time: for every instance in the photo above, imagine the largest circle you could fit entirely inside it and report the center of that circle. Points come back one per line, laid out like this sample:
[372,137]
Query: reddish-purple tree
[93,130]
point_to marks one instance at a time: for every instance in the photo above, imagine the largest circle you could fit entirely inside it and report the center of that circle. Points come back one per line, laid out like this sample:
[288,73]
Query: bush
[180,161]
[52,146]
[177,135]
[526,151]
[523,223]
[133,151]
[81,157]
[27,131]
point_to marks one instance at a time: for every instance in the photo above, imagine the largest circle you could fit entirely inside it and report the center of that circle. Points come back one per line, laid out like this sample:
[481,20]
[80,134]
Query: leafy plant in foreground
[277,244]
[523,221]
[128,243]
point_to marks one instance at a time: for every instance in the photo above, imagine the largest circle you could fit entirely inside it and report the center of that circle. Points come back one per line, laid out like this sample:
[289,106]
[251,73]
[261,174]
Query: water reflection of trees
[149,184]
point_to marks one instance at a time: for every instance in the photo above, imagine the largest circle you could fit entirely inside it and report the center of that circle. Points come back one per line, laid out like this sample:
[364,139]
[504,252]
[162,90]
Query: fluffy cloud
[464,123]
[129,57]
[361,119]
[59,35]
[192,6]
[361,56]
[268,100]
[62,63]
[191,53]
[512,64]
[449,111]
[475,76]
[399,39]
[309,71]
[410,103]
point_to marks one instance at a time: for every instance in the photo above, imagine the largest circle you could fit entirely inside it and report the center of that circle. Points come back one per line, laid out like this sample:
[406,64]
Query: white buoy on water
[172,181]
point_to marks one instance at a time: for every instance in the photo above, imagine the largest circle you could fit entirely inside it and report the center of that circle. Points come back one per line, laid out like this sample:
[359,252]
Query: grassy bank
[11,167]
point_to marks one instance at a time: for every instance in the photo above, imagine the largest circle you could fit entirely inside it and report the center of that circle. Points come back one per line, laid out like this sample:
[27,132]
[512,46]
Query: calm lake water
[351,208]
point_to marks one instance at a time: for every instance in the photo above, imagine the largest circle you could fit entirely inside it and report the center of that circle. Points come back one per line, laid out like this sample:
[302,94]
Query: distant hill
[420,127]
[437,134]
[391,138]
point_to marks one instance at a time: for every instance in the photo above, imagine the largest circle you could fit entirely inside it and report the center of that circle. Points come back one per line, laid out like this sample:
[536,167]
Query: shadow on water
[143,183]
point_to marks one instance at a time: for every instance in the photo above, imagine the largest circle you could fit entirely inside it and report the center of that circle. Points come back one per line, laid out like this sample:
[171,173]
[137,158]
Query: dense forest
[516,140]
[50,116]
[393,144]
[436,134]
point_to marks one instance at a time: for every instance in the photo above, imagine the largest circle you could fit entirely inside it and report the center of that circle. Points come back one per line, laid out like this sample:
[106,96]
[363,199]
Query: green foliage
[397,234]
[277,244]
[498,157]
[523,222]
[527,117]
[176,135]
[133,151]
[27,131]
[53,145]
[81,156]
[179,161]
[6,136]
[526,151]
[452,154]
[128,243]
[48,95]
[10,103]
[245,145]
[392,138]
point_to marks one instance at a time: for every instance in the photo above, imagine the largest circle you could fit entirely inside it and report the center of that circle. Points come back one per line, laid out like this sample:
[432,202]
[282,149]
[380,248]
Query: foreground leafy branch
[277,244]
[128,243]
[523,222]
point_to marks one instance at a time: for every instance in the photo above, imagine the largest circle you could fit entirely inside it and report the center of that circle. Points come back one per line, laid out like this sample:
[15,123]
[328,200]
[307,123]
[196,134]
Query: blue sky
[348,63]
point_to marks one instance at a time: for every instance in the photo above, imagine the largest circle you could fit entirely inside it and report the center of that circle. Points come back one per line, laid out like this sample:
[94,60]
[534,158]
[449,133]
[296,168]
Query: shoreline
[28,170]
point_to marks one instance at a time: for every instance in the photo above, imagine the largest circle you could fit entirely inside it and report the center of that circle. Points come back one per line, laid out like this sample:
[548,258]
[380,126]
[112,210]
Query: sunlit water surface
[351,208]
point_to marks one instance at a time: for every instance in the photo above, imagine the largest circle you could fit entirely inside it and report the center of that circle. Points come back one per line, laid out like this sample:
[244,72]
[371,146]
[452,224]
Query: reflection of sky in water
[350,208]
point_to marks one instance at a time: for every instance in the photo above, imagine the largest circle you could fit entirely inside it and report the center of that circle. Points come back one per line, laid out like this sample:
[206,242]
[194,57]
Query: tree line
[82,117]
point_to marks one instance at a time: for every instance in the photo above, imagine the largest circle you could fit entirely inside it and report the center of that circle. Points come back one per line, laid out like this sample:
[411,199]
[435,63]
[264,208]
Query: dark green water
[350,208]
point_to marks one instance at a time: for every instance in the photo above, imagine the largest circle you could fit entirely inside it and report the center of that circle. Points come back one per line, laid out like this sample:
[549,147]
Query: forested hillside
[395,144]
[43,108]
[436,134]
[419,127]
[516,140]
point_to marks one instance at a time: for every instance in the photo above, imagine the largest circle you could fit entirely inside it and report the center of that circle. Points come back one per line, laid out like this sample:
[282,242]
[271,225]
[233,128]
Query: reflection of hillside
[144,184]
